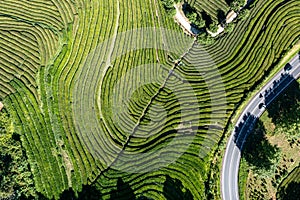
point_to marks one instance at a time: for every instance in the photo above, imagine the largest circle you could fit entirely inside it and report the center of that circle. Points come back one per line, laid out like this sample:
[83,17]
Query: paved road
[245,123]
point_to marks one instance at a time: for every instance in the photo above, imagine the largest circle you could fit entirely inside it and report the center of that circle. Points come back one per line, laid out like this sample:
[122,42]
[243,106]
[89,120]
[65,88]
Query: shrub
[205,38]
[213,27]
[244,14]
[15,176]
[229,27]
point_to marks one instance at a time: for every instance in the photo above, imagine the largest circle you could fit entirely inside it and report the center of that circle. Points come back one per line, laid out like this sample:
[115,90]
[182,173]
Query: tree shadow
[291,192]
[38,196]
[123,191]
[88,192]
[229,2]
[243,129]
[285,110]
[174,190]
[258,152]
[143,198]
[221,16]
[207,18]
[187,8]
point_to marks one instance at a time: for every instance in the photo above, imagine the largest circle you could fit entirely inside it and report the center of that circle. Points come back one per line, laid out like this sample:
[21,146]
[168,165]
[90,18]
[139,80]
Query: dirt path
[153,19]
[181,19]
[111,49]
[113,41]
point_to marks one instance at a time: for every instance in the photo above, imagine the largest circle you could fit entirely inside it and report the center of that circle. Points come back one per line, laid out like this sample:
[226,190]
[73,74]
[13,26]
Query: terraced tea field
[210,7]
[105,93]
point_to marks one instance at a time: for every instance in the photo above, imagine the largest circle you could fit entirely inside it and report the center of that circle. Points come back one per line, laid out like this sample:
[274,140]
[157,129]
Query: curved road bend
[245,123]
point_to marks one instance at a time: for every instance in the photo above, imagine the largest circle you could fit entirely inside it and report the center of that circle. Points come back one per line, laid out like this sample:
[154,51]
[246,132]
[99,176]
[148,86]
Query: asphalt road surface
[245,123]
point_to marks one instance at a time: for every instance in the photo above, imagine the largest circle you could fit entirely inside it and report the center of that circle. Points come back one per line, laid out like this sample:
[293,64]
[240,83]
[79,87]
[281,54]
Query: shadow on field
[143,198]
[229,2]
[258,152]
[207,18]
[291,192]
[221,16]
[285,109]
[174,190]
[88,193]
[123,191]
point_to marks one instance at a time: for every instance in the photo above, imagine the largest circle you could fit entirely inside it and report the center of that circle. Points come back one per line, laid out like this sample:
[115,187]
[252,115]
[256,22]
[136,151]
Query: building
[231,16]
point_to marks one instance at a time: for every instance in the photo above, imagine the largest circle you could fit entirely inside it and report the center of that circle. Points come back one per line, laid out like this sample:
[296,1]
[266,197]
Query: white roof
[231,16]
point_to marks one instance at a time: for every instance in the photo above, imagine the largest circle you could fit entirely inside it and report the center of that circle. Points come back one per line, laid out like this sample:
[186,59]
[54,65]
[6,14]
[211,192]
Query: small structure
[231,16]
[1,106]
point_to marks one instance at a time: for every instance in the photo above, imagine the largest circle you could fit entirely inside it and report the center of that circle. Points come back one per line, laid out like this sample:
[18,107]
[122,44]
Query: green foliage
[205,38]
[237,4]
[289,188]
[192,16]
[16,180]
[174,190]
[200,23]
[243,14]
[171,12]
[285,110]
[212,8]
[213,27]
[229,27]
[285,113]
[47,110]
[195,19]
[169,6]
[280,122]
[243,175]
[259,153]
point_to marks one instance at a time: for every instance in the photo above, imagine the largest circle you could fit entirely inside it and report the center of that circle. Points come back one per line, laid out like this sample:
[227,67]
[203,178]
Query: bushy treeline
[169,6]
[16,181]
[194,17]
[203,22]
[236,4]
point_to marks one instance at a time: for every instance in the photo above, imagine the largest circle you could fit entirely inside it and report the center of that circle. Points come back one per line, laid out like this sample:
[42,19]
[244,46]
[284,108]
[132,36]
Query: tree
[200,23]
[16,180]
[213,27]
[168,4]
[205,38]
[210,40]
[195,19]
[201,37]
[192,16]
[259,153]
[229,28]
[237,4]
[244,14]
[171,12]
